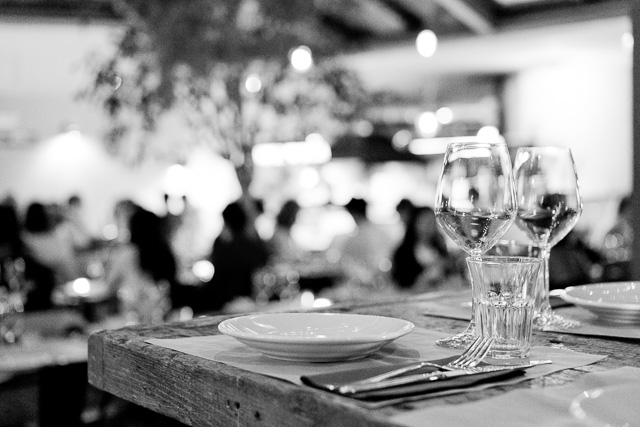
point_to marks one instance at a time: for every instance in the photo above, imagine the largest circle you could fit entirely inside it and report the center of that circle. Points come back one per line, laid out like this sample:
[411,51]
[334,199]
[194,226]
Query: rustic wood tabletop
[200,392]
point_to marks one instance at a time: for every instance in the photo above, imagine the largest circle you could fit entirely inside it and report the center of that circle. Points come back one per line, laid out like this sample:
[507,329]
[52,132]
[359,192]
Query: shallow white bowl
[614,405]
[315,337]
[617,302]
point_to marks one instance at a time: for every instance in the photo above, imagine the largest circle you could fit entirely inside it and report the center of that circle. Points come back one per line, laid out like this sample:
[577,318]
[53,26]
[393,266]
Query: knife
[350,389]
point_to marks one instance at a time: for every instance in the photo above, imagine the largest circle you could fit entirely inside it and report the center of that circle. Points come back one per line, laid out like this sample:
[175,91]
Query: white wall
[70,163]
[43,67]
[584,104]
[578,96]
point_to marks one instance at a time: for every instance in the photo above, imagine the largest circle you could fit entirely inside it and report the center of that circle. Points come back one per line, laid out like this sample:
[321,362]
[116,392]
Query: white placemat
[453,306]
[419,344]
[458,306]
[592,326]
[545,407]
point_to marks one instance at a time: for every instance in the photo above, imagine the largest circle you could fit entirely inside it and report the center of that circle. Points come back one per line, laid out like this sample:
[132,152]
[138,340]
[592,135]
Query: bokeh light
[627,41]
[301,58]
[427,124]
[253,84]
[427,43]
[444,115]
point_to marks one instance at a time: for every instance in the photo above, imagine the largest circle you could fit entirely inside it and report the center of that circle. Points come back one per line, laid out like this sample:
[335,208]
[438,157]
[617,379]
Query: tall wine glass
[475,205]
[549,205]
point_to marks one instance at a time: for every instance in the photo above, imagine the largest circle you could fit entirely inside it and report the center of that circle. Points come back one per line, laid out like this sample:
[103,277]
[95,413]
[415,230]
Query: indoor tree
[187,62]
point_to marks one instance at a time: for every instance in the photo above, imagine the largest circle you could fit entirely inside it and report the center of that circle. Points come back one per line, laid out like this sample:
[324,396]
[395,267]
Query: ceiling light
[427,124]
[444,115]
[490,134]
[363,128]
[402,138]
[313,150]
[253,83]
[427,43]
[627,41]
[428,146]
[301,58]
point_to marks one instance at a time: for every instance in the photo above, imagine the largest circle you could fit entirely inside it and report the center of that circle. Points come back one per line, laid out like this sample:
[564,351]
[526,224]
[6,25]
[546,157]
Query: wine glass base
[549,320]
[459,341]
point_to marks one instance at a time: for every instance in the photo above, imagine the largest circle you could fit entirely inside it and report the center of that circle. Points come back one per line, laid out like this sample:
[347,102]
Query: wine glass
[475,205]
[549,205]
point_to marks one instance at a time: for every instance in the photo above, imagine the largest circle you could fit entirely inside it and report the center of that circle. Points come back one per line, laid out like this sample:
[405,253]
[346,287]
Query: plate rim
[401,331]
[600,304]
[578,409]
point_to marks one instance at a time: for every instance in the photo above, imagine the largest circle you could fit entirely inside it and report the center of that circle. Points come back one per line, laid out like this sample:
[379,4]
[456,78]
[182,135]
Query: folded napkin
[333,380]
[546,407]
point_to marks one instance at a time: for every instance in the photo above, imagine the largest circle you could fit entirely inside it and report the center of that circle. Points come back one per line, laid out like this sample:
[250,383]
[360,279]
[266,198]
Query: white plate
[315,337]
[617,302]
[615,405]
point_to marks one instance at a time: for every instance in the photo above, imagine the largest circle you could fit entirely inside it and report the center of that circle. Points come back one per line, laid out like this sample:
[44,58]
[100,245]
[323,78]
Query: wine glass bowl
[475,204]
[550,221]
[549,206]
[475,201]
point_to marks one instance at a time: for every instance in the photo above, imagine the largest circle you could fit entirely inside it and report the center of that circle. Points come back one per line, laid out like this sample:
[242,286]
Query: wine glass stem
[545,305]
[472,323]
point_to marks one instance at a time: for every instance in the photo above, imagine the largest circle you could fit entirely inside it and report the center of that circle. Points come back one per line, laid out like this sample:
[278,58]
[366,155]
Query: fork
[469,359]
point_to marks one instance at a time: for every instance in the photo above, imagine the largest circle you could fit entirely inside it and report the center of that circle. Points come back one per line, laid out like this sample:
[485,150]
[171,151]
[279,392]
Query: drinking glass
[504,290]
[549,205]
[475,205]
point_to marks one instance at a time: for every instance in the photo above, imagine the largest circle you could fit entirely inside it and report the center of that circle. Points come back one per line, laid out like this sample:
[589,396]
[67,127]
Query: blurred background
[543,72]
[239,155]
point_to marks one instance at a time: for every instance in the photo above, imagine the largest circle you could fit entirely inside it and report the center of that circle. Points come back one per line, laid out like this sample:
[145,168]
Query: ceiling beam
[564,14]
[474,14]
[58,9]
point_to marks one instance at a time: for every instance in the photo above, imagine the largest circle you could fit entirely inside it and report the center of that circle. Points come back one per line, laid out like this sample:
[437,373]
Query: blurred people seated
[10,241]
[572,262]
[49,253]
[281,246]
[236,255]
[122,213]
[183,231]
[13,288]
[421,262]
[618,244]
[365,254]
[73,216]
[143,272]
[405,209]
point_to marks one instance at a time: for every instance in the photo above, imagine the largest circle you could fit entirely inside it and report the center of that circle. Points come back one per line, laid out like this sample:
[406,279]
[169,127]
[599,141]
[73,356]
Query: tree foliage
[184,62]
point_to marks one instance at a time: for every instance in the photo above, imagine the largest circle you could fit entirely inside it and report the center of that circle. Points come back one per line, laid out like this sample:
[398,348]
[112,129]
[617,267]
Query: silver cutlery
[355,388]
[469,359]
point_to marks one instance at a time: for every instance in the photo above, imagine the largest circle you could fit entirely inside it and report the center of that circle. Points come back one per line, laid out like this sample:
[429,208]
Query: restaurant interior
[177,113]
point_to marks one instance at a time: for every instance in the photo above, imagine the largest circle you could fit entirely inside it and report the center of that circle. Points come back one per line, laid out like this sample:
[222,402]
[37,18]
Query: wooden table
[200,392]
[43,377]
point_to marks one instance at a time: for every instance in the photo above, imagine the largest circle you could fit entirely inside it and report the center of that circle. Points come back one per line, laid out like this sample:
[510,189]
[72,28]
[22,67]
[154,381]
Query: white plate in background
[617,302]
[613,406]
[315,337]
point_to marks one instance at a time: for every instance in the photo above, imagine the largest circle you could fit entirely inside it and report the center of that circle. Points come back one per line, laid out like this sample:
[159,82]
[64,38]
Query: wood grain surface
[200,392]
